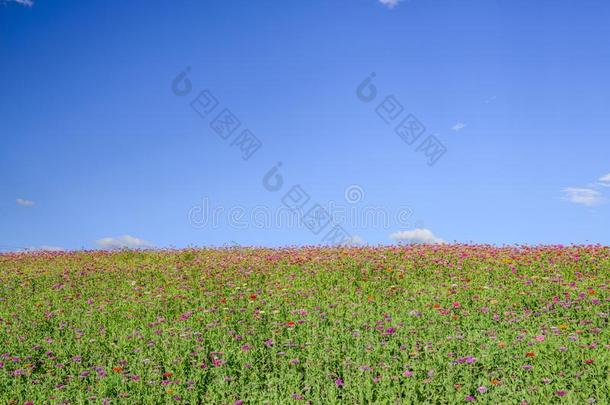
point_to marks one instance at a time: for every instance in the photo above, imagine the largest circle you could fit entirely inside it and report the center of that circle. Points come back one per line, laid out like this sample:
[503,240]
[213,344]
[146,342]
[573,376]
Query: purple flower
[561,393]
[482,389]
[339,382]
[469,398]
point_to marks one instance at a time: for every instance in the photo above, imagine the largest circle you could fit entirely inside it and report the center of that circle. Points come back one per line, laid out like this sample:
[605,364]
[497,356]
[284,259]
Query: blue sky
[98,150]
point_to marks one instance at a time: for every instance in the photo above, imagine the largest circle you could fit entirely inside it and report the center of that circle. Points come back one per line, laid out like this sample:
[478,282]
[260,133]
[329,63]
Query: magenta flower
[186,315]
[561,393]
[339,382]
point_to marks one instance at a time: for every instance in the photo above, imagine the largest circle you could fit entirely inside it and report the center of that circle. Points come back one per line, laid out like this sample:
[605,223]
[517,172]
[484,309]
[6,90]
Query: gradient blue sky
[94,143]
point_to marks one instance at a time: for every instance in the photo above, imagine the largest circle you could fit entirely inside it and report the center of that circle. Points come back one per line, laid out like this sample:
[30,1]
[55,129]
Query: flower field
[402,324]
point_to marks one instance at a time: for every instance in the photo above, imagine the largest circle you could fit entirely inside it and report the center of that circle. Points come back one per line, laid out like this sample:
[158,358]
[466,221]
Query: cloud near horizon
[123,242]
[419,235]
[47,248]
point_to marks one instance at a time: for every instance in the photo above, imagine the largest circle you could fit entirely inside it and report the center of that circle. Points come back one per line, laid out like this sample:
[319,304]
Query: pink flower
[456,305]
[186,315]
[408,373]
[540,338]
[561,393]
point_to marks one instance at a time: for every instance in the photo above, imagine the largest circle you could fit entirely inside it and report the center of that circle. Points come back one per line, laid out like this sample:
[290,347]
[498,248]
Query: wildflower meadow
[319,325]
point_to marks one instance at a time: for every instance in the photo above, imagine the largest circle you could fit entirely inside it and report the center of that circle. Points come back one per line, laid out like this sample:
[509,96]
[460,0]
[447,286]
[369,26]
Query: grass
[416,324]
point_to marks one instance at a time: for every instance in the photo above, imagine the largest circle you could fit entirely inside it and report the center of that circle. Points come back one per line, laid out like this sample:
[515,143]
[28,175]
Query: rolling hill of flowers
[401,324]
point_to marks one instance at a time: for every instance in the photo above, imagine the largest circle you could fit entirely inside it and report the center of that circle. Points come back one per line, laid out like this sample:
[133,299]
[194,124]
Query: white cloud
[123,242]
[25,203]
[47,248]
[419,235]
[605,179]
[458,126]
[27,3]
[356,240]
[390,3]
[584,196]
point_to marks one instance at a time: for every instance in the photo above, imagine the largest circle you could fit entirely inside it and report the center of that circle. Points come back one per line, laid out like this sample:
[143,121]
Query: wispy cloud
[459,126]
[356,241]
[123,242]
[605,180]
[589,195]
[584,196]
[27,3]
[25,203]
[46,248]
[390,3]
[419,235]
